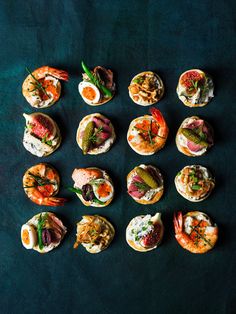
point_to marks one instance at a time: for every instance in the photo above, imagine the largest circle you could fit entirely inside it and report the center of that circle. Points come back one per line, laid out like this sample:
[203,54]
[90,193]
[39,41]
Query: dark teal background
[168,37]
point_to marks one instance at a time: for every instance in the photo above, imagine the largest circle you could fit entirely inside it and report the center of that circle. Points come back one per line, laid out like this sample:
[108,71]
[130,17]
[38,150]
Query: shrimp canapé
[195,231]
[41,184]
[148,134]
[42,87]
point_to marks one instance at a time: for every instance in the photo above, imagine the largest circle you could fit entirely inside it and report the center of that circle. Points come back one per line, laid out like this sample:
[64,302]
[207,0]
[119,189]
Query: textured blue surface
[168,37]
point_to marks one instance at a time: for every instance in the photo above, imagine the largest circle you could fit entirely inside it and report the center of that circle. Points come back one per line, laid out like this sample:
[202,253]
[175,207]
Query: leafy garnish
[142,186]
[41,181]
[93,138]
[138,80]
[37,84]
[150,133]
[194,85]
[44,140]
[201,236]
[196,187]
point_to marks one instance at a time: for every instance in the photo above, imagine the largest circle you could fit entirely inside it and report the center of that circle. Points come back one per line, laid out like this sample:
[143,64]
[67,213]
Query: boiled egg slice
[28,236]
[89,92]
[103,190]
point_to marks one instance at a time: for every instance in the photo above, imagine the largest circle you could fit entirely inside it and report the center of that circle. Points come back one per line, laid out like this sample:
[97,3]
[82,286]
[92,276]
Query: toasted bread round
[34,221]
[137,246]
[108,229]
[187,99]
[205,233]
[146,101]
[184,188]
[36,146]
[141,146]
[184,149]
[102,148]
[158,193]
[91,203]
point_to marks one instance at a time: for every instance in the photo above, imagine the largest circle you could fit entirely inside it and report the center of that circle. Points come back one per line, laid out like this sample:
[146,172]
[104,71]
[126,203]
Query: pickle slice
[88,132]
[193,137]
[147,178]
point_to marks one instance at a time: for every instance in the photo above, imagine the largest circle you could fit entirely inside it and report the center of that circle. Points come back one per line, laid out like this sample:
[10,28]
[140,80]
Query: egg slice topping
[89,92]
[28,236]
[103,190]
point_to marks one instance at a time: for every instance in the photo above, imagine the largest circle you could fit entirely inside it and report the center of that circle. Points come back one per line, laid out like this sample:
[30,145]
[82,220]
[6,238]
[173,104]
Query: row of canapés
[95,135]
[194,231]
[42,87]
[95,188]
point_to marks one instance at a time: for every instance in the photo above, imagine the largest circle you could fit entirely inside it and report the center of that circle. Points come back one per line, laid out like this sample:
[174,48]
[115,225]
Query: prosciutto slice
[205,129]
[133,189]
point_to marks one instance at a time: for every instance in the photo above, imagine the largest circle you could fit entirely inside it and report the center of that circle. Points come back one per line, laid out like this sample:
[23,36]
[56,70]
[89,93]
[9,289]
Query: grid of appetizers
[146,135]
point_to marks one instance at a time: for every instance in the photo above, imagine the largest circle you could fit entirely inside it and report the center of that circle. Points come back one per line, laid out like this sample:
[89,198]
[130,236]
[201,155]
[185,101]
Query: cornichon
[88,132]
[193,137]
[95,81]
[147,178]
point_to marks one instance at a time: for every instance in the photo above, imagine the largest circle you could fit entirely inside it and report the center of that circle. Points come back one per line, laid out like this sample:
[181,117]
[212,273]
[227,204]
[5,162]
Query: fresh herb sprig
[93,138]
[194,85]
[41,181]
[201,236]
[37,84]
[44,140]
[142,186]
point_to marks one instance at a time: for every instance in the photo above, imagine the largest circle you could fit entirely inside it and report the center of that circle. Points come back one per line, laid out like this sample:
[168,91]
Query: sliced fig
[153,237]
[41,125]
[191,80]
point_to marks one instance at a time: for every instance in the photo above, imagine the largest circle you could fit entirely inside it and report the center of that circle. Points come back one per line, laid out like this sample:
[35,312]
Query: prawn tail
[157,115]
[53,201]
[178,222]
[59,74]
[163,128]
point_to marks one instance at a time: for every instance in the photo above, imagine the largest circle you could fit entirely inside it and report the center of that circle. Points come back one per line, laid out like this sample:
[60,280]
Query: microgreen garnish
[40,181]
[93,138]
[44,140]
[149,133]
[138,80]
[194,85]
[200,236]
[37,84]
[196,187]
[142,186]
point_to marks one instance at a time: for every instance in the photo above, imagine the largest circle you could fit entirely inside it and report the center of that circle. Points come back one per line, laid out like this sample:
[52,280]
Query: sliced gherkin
[88,132]
[147,178]
[193,137]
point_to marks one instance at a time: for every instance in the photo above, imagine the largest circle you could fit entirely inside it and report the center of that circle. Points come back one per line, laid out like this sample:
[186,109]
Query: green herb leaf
[142,186]
[196,187]
[75,190]
[41,181]
[93,138]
